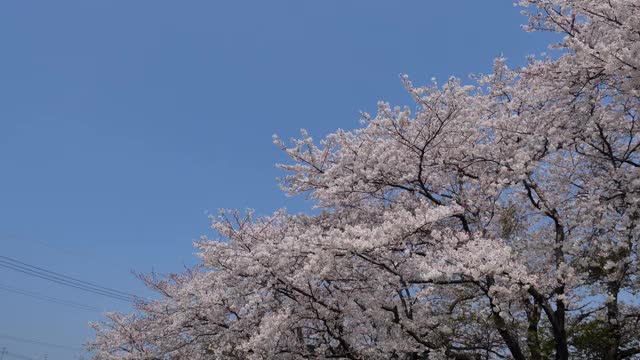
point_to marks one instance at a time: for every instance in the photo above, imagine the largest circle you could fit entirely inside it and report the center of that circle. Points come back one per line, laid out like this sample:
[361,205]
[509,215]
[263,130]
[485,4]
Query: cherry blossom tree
[497,220]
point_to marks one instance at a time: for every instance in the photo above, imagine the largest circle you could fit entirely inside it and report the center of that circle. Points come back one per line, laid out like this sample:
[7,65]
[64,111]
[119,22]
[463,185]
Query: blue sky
[123,123]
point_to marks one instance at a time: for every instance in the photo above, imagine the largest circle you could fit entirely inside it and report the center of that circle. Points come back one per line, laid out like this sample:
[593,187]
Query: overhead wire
[47,298]
[16,356]
[35,274]
[38,342]
[65,280]
[67,277]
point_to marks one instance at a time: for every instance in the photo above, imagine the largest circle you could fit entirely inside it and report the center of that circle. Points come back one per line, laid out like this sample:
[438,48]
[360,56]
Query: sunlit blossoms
[494,220]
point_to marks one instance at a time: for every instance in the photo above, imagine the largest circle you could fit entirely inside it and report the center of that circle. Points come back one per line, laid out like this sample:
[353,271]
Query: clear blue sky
[122,123]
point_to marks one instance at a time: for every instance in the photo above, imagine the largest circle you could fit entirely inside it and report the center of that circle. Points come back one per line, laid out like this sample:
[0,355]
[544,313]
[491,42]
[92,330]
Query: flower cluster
[493,220]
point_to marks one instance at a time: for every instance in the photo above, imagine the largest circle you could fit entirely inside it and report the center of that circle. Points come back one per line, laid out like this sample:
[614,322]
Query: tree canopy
[497,220]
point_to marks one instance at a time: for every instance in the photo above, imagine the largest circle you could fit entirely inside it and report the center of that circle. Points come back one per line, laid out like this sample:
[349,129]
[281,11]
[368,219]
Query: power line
[51,299]
[65,280]
[16,356]
[69,277]
[37,342]
[66,283]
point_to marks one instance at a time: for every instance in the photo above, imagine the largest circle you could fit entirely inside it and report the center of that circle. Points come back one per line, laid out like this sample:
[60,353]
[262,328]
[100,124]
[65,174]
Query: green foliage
[591,340]
[511,222]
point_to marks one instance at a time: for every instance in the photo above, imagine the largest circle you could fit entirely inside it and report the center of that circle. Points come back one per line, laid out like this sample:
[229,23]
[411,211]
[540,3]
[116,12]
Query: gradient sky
[124,123]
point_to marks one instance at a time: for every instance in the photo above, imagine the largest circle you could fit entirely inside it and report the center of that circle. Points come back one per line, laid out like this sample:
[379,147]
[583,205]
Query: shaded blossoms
[494,220]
